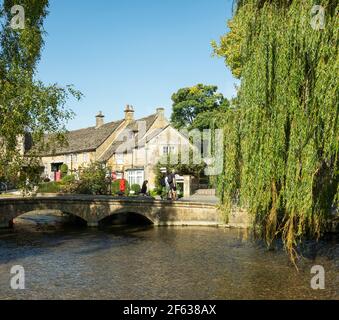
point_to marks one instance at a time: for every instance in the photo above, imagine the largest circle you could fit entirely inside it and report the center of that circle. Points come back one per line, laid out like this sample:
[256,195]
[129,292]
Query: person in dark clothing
[144,188]
[163,180]
[172,184]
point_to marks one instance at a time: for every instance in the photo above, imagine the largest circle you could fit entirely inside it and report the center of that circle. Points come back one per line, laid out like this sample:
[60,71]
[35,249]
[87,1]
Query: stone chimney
[99,120]
[161,114]
[161,121]
[129,113]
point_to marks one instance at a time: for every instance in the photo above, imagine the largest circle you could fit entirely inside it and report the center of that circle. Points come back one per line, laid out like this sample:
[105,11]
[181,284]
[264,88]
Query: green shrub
[158,190]
[136,188]
[68,179]
[180,190]
[92,181]
[163,193]
[64,169]
[154,192]
[77,187]
[116,187]
[128,188]
[49,187]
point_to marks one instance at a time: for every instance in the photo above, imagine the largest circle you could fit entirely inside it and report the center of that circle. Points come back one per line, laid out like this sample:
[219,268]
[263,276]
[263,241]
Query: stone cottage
[130,147]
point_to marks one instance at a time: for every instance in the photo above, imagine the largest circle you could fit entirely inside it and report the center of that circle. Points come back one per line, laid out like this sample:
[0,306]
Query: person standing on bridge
[172,185]
[122,185]
[143,191]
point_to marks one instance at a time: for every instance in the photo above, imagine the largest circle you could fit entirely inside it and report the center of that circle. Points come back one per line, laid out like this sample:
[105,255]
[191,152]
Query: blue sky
[136,52]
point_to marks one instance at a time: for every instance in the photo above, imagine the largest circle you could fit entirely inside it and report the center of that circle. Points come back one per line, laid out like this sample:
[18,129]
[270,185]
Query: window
[135,177]
[119,157]
[168,149]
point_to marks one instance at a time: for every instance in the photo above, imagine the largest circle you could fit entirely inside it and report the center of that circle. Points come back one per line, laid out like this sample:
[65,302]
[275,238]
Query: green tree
[233,44]
[281,142]
[92,181]
[190,104]
[27,106]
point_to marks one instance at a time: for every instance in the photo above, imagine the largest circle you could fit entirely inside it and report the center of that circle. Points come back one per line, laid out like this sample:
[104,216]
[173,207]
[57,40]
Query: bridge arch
[126,217]
[73,219]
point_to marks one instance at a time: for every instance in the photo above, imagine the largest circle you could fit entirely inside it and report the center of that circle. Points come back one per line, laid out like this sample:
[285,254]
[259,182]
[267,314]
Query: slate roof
[83,140]
[89,139]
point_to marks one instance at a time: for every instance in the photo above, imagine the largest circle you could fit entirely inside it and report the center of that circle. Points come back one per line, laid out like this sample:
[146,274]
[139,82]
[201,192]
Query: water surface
[159,263]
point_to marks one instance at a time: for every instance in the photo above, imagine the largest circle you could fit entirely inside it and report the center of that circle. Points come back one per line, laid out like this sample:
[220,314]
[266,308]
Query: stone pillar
[187,186]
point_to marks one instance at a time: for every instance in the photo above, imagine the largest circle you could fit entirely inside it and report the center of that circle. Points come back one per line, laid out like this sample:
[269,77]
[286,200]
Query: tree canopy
[27,106]
[232,44]
[191,104]
[281,141]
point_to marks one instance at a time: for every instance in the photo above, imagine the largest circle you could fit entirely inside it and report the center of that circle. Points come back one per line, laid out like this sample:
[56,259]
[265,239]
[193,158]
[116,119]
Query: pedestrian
[172,185]
[164,193]
[144,188]
[122,186]
[167,188]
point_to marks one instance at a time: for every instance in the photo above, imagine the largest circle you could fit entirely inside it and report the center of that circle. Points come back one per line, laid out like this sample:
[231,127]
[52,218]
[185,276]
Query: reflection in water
[158,263]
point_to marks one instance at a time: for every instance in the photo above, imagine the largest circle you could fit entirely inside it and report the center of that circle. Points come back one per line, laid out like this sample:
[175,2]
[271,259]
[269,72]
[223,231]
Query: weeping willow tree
[282,138]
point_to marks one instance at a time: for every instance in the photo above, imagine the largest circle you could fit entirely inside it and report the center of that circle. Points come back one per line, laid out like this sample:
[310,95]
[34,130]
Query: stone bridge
[93,209]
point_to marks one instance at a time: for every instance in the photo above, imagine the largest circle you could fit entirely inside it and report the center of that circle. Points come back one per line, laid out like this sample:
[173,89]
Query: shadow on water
[327,246]
[125,219]
[36,234]
[308,251]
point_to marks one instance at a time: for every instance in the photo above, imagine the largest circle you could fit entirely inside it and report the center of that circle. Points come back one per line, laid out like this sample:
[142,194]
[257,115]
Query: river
[145,262]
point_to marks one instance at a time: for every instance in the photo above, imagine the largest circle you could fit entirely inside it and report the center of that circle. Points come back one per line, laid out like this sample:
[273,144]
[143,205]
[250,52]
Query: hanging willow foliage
[281,153]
